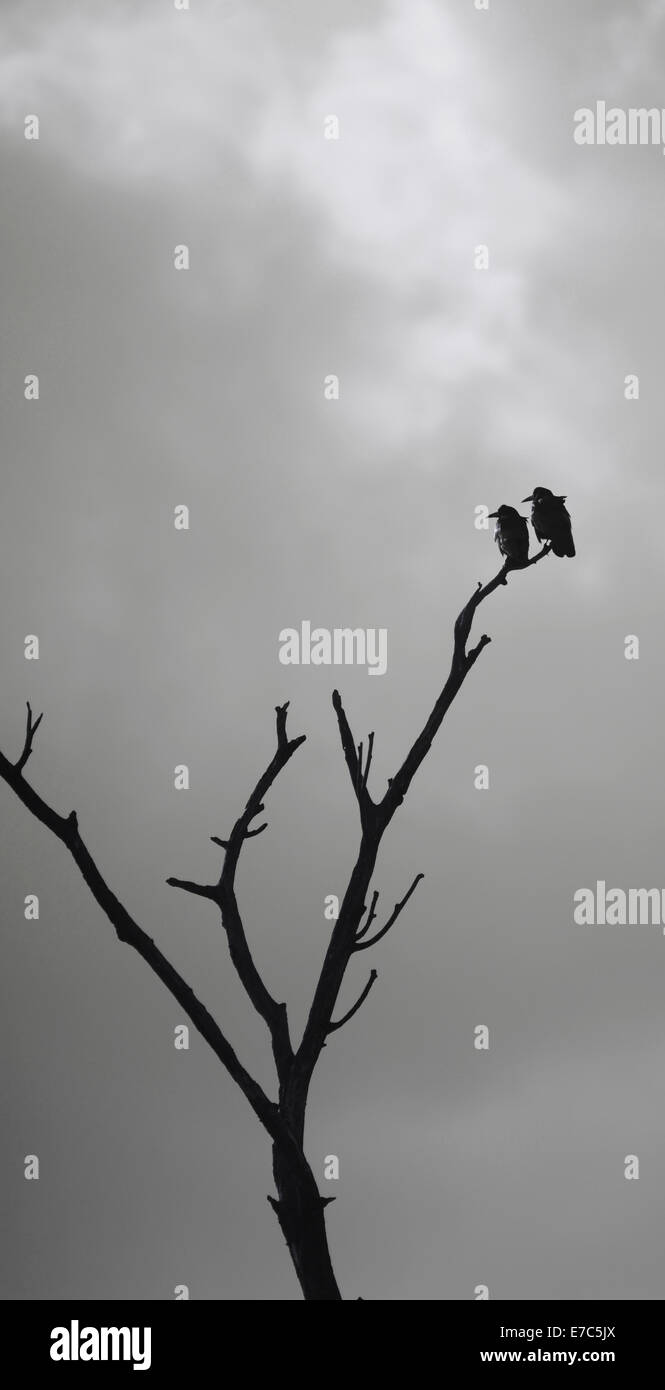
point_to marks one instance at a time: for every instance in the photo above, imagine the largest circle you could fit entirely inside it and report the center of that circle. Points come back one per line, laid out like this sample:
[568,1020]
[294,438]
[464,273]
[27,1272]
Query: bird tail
[564,547]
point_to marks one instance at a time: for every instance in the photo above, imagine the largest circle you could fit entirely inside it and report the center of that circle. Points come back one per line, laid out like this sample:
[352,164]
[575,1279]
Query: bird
[551,520]
[511,534]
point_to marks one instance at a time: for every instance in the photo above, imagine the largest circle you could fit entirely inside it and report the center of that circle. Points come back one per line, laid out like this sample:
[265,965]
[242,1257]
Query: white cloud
[167,105]
[210,107]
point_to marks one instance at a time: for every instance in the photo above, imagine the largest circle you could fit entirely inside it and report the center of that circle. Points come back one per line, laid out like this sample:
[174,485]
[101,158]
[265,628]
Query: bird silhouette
[511,534]
[551,520]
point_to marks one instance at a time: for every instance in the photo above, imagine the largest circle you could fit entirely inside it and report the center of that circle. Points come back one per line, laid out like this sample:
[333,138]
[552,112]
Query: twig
[201,890]
[30,731]
[399,907]
[354,757]
[332,1027]
[370,747]
[273,1012]
[372,914]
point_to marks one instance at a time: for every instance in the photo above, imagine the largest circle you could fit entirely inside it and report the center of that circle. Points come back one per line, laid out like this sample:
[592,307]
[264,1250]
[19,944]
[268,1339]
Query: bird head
[543,494]
[504,511]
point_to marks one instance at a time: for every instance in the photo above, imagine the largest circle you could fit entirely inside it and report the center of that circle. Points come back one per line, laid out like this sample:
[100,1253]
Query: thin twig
[30,731]
[399,907]
[370,747]
[370,918]
[332,1027]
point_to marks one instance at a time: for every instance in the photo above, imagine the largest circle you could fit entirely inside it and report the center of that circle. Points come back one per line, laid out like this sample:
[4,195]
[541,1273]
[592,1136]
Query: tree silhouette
[299,1206]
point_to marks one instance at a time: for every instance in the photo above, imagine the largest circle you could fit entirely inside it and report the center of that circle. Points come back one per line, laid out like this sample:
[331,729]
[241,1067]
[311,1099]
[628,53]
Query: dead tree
[299,1207]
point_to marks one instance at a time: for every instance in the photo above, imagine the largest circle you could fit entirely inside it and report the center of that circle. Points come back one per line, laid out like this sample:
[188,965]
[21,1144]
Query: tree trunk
[301,1214]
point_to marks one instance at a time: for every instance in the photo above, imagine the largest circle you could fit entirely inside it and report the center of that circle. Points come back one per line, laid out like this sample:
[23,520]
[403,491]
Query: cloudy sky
[457,388]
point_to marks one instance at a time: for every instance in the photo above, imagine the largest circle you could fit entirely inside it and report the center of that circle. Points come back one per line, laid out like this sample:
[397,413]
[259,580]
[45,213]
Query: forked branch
[399,907]
[31,728]
[223,894]
[354,761]
[66,829]
[362,931]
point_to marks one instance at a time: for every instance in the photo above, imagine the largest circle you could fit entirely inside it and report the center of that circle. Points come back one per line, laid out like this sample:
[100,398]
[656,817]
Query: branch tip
[332,1027]
[200,890]
[368,764]
[259,829]
[372,914]
[31,727]
[280,713]
[361,945]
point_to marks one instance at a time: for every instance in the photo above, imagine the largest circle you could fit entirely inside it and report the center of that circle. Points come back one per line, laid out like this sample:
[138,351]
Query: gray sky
[457,388]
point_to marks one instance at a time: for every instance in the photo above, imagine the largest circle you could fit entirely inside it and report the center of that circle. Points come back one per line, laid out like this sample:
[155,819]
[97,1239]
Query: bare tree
[299,1206]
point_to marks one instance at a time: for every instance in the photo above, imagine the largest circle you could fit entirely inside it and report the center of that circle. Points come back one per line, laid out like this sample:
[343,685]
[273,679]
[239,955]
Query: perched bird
[511,534]
[551,520]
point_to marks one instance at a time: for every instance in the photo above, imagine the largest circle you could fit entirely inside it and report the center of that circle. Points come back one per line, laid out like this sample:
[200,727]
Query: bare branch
[65,828]
[539,556]
[465,619]
[273,1012]
[223,894]
[474,653]
[372,914]
[363,945]
[285,749]
[249,834]
[370,749]
[346,736]
[462,662]
[30,731]
[281,712]
[354,761]
[202,890]
[332,1028]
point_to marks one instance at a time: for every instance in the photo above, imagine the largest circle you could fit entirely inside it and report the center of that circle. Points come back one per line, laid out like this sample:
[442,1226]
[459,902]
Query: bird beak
[528,499]
[492,513]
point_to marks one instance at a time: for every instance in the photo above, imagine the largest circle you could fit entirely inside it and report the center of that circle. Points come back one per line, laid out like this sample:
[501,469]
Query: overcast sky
[157,647]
